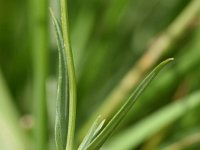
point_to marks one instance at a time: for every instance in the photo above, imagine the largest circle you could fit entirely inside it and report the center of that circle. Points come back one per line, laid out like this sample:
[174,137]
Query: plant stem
[39,44]
[161,44]
[71,75]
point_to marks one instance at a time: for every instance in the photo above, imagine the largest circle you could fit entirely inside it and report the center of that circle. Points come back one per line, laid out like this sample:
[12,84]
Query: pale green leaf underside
[112,124]
[94,130]
[61,124]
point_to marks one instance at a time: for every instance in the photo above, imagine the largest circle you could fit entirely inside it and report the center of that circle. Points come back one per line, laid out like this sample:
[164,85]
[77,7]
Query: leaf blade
[61,124]
[112,124]
[94,130]
[155,122]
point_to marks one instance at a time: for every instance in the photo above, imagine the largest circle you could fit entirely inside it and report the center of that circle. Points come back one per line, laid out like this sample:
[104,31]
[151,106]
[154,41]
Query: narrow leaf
[71,74]
[94,130]
[147,127]
[112,124]
[62,91]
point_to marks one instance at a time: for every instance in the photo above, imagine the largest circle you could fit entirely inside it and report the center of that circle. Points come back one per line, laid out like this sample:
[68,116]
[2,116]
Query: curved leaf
[94,130]
[61,124]
[112,124]
[147,127]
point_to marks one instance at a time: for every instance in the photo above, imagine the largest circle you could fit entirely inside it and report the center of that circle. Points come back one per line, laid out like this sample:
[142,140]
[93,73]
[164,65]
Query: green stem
[39,45]
[71,75]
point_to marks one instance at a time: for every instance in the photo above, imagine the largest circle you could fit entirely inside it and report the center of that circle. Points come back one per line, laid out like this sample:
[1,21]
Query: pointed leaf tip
[61,122]
[113,123]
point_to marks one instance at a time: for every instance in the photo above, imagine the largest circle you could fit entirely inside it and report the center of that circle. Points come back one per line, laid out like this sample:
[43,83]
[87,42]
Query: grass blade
[135,135]
[96,127]
[161,45]
[107,131]
[71,75]
[62,91]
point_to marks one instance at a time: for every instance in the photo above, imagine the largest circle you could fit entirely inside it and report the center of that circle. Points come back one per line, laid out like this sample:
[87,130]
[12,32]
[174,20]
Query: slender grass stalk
[148,60]
[71,75]
[39,43]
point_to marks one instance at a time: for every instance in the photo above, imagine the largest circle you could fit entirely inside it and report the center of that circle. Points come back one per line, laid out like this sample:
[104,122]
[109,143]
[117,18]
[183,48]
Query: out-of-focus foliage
[108,39]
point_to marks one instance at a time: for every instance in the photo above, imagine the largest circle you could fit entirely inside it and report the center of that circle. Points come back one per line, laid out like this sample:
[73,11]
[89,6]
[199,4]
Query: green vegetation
[69,77]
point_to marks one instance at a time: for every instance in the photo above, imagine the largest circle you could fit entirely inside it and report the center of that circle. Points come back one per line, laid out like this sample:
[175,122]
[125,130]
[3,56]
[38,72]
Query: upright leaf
[61,124]
[94,130]
[71,74]
[112,124]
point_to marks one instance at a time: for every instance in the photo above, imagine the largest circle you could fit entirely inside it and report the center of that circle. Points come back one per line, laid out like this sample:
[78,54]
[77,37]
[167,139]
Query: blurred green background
[109,40]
